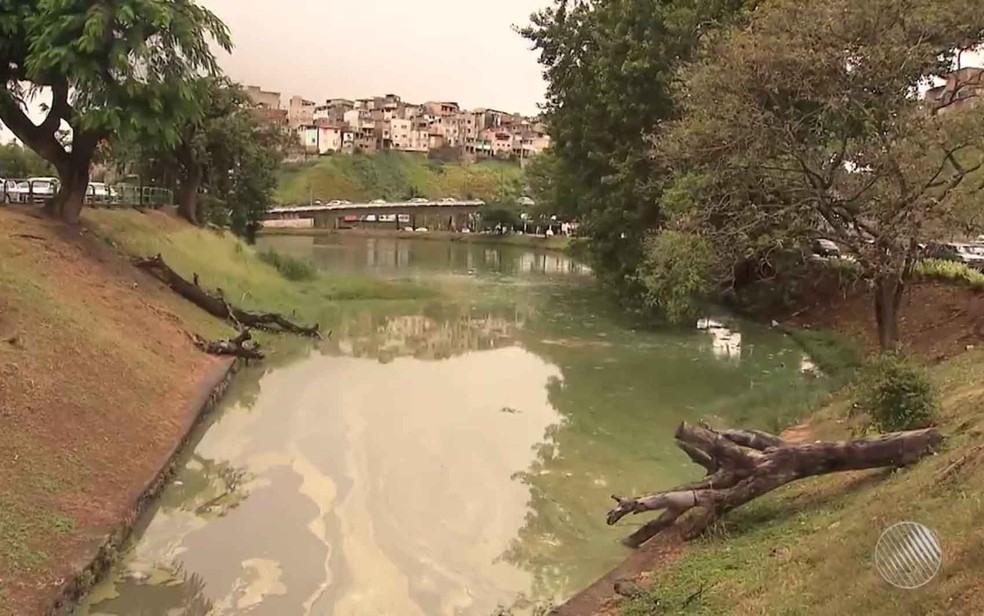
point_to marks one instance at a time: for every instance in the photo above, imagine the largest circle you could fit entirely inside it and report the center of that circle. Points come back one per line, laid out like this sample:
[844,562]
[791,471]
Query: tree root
[240,346]
[216,305]
[742,465]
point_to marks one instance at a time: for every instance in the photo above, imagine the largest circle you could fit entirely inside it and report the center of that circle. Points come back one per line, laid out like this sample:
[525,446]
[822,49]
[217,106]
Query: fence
[123,195]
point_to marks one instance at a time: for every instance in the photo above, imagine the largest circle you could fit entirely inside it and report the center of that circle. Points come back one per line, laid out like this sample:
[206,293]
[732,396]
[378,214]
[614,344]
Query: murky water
[442,457]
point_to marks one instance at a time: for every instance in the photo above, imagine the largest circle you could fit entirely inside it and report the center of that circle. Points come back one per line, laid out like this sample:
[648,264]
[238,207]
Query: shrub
[289,267]
[677,274]
[895,394]
[951,272]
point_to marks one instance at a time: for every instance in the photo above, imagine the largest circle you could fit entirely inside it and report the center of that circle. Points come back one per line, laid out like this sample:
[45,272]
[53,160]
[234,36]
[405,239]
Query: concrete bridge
[444,214]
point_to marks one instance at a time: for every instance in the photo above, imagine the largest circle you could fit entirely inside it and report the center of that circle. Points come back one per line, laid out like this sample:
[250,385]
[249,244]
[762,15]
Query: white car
[449,200]
[100,192]
[419,200]
[408,229]
[420,230]
[377,202]
[16,191]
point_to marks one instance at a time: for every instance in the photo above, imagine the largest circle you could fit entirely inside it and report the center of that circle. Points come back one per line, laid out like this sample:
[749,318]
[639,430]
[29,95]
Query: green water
[443,457]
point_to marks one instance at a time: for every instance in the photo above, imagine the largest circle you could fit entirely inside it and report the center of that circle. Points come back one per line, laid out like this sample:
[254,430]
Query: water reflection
[443,458]
[725,341]
[397,256]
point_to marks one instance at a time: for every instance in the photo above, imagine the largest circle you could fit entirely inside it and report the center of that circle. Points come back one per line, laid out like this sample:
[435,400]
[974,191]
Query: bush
[677,274]
[895,395]
[951,272]
[289,267]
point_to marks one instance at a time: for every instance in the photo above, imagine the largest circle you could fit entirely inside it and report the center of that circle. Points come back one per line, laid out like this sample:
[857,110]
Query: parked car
[334,202]
[403,218]
[421,230]
[448,200]
[16,191]
[43,188]
[970,255]
[387,218]
[369,218]
[408,229]
[100,192]
[419,200]
[826,248]
[4,197]
[378,202]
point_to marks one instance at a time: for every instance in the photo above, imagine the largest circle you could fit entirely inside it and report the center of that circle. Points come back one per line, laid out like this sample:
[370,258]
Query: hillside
[393,176]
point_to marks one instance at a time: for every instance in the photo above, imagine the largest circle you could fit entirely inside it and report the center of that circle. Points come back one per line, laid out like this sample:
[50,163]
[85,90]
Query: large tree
[807,122]
[609,66]
[112,67]
[223,164]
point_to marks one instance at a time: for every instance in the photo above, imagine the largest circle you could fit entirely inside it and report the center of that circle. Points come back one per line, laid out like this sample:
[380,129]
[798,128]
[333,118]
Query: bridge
[444,214]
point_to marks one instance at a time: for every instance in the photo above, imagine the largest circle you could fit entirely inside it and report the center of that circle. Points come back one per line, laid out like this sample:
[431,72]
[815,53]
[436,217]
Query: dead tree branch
[240,346]
[216,305]
[742,465]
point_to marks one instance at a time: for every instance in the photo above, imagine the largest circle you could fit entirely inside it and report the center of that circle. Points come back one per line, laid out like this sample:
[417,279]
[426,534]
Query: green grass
[23,525]
[391,176]
[950,272]
[290,267]
[835,355]
[222,260]
[807,548]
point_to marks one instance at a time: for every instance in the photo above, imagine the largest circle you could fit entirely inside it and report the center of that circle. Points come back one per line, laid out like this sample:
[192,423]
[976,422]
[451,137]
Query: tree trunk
[216,305]
[888,299]
[743,465]
[188,194]
[73,185]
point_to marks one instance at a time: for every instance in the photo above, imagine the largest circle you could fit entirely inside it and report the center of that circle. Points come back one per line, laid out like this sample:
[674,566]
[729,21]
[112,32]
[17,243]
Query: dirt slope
[96,375]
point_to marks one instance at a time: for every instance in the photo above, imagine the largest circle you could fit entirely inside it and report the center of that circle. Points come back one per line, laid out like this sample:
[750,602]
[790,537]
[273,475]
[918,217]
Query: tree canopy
[610,65]
[806,122]
[114,68]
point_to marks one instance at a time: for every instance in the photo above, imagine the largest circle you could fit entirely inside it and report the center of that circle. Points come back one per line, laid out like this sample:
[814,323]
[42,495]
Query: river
[448,456]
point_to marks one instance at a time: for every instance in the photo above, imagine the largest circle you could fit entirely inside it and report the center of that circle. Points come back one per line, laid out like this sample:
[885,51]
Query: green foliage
[834,355]
[392,176]
[225,154]
[799,123]
[609,65]
[551,186]
[951,272]
[895,394]
[677,274]
[292,268]
[20,162]
[117,68]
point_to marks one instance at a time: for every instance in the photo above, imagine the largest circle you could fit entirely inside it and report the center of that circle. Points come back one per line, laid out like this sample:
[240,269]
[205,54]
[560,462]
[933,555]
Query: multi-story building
[387,122]
[320,140]
[300,112]
[266,106]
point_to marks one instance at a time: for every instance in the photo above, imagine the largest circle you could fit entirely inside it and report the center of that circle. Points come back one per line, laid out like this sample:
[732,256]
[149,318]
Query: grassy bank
[392,176]
[558,243]
[98,375]
[808,548]
[252,279]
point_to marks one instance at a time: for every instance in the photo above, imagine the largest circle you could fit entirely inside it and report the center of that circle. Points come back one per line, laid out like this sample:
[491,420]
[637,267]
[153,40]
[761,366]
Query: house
[441,109]
[263,98]
[266,106]
[300,112]
[318,139]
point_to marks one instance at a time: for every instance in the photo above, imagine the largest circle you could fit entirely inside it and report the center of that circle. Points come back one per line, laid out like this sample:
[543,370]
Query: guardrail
[124,195]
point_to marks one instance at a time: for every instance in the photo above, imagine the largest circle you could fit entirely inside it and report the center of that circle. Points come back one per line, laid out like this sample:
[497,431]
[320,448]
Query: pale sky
[458,50]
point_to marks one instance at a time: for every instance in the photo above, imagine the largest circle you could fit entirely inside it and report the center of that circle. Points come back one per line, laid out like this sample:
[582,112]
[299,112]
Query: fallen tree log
[216,305]
[743,465]
[240,346]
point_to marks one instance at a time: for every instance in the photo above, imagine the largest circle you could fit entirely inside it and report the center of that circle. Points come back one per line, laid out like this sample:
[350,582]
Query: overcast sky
[459,50]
